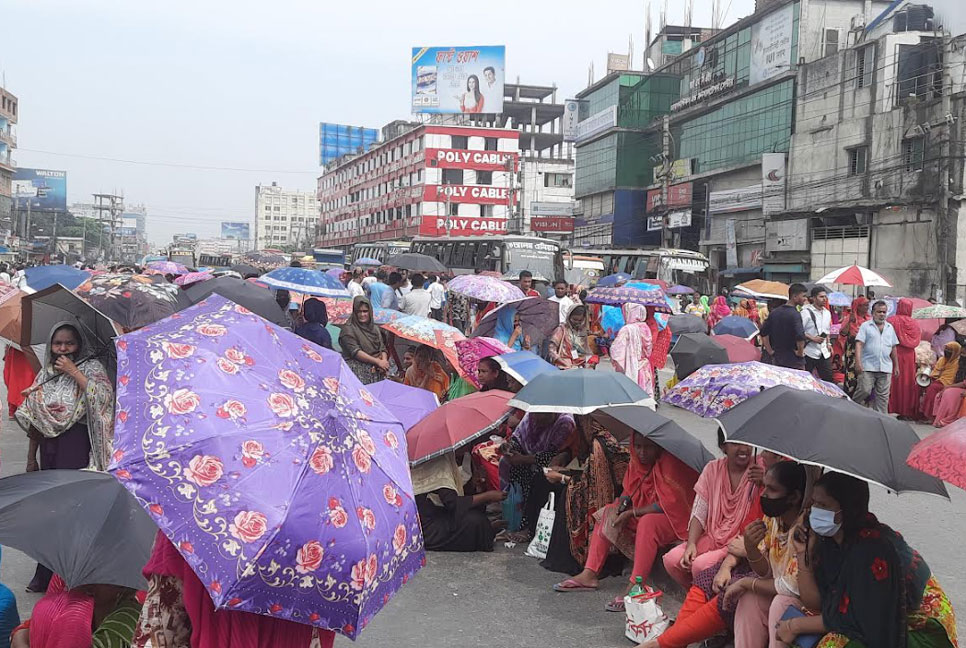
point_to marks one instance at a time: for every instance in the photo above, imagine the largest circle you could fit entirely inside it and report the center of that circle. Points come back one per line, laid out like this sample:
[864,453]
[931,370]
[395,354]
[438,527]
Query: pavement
[505,599]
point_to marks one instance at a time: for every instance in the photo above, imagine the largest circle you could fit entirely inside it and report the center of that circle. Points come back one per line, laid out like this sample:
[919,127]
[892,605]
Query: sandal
[615,605]
[571,585]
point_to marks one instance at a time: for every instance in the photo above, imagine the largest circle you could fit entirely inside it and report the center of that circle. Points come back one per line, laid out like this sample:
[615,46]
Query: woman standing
[904,397]
[568,344]
[316,317]
[630,353]
[719,311]
[362,345]
[858,315]
[69,413]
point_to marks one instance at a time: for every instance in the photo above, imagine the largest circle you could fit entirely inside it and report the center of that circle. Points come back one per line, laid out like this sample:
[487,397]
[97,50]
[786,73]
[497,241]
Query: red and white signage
[678,195]
[457,226]
[475,195]
[552,224]
[478,160]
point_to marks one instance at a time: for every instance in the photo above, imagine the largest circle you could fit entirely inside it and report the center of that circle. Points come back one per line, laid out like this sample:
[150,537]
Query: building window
[460,142]
[858,160]
[490,144]
[277,208]
[486,211]
[454,209]
[913,152]
[484,177]
[557,180]
[864,66]
[830,42]
[453,176]
[268,208]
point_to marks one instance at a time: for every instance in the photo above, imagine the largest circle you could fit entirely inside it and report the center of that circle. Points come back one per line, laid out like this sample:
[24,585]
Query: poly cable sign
[475,195]
[478,160]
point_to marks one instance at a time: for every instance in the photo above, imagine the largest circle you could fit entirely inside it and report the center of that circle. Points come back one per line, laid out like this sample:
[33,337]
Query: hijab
[946,368]
[356,336]
[504,327]
[316,317]
[668,481]
[632,348]
[907,329]
[728,510]
[441,472]
[858,316]
[720,307]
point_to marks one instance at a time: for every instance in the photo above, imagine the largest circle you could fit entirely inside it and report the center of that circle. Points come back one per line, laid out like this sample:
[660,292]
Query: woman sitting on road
[944,375]
[426,373]
[568,344]
[659,492]
[949,403]
[492,376]
[873,589]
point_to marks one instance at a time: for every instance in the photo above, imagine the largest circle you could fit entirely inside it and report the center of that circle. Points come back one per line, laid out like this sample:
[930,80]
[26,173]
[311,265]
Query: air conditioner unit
[858,22]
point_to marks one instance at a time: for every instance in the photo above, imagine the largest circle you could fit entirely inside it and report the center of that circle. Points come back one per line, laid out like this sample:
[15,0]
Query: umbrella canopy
[473,350]
[40,277]
[524,366]
[652,299]
[939,311]
[763,289]
[539,318]
[168,267]
[245,269]
[483,288]
[614,279]
[305,281]
[424,330]
[679,290]
[456,423]
[514,275]
[257,299]
[579,391]
[739,349]
[11,315]
[839,299]
[687,323]
[625,420]
[192,277]
[714,389]
[367,261]
[942,454]
[833,433]
[133,300]
[415,262]
[263,459]
[339,309]
[695,350]
[408,404]
[81,524]
[266,258]
[736,325]
[335,273]
[854,275]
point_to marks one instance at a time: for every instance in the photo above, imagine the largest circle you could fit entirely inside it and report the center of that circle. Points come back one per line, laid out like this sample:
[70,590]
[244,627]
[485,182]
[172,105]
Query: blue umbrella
[305,281]
[614,279]
[408,404]
[579,391]
[839,299]
[523,366]
[367,261]
[40,277]
[735,325]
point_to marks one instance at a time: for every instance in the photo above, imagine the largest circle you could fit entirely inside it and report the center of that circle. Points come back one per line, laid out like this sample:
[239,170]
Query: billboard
[570,118]
[42,189]
[452,80]
[234,231]
[596,123]
[475,194]
[771,45]
[456,226]
[335,140]
[551,224]
[679,195]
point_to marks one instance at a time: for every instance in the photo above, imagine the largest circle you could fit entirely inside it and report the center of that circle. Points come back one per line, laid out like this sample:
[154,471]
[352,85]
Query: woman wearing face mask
[943,376]
[873,589]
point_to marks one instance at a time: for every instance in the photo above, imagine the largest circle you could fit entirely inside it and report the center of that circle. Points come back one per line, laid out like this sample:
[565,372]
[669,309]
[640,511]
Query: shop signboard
[771,45]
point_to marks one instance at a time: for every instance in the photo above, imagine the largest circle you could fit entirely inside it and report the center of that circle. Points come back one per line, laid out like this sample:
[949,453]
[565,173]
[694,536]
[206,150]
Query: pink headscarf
[728,510]
[719,310]
[632,348]
[62,620]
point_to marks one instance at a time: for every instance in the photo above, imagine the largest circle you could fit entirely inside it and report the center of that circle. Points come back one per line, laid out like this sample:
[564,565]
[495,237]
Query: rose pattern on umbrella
[239,426]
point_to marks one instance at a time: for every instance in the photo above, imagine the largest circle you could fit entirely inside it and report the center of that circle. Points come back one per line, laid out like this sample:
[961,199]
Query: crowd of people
[765,548]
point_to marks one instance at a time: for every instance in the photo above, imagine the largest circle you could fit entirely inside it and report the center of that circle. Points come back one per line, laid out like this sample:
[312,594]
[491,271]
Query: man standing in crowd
[379,290]
[416,301]
[561,295]
[526,284]
[783,335]
[875,359]
[817,323]
[355,284]
[437,297]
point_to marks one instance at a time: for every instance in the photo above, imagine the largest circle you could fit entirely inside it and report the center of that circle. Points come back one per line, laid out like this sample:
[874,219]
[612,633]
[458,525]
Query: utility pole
[942,229]
[665,178]
[517,225]
[113,204]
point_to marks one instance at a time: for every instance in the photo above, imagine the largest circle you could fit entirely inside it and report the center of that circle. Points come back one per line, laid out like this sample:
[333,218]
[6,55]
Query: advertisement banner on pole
[42,189]
[457,226]
[680,218]
[772,183]
[597,123]
[477,160]
[453,80]
[655,223]
[735,200]
[678,195]
[336,140]
[474,195]
[542,208]
[552,224]
[731,244]
[570,118]
[235,231]
[771,45]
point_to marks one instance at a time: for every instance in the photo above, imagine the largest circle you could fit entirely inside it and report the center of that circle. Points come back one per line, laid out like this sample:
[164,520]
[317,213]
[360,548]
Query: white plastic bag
[541,538]
[645,618]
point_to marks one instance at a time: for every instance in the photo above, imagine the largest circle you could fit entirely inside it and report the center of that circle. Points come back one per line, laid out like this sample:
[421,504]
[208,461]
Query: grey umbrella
[833,433]
[81,524]
[625,420]
[687,323]
[695,350]
[579,391]
[415,262]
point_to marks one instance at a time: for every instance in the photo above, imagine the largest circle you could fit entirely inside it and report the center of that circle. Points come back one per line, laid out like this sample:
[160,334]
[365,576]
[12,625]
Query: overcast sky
[243,85]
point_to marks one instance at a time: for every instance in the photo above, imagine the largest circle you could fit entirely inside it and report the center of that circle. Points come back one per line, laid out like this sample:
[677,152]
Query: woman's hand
[65,365]
[754,534]
[735,592]
[621,520]
[554,477]
[784,632]
[721,579]
[383,364]
[690,553]
[756,474]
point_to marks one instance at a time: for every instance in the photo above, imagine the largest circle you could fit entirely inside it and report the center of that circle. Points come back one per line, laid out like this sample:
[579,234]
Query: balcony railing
[8,137]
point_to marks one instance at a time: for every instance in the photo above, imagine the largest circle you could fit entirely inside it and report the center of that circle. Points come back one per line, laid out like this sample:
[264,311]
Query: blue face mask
[823,522]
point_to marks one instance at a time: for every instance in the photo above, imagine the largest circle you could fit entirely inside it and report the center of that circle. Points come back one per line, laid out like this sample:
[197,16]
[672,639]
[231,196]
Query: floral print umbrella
[168,267]
[942,454]
[714,389]
[472,350]
[483,288]
[651,298]
[133,300]
[338,310]
[279,478]
[424,330]
[939,311]
[192,278]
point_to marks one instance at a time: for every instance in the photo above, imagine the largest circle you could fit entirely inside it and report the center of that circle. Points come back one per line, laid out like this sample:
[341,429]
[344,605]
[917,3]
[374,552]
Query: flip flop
[570,585]
[615,605]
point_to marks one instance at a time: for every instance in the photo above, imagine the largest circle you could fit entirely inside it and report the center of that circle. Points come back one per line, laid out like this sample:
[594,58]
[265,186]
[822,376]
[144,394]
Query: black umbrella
[539,318]
[833,433]
[622,421]
[695,350]
[81,524]
[133,300]
[258,300]
[415,262]
[244,270]
[687,323]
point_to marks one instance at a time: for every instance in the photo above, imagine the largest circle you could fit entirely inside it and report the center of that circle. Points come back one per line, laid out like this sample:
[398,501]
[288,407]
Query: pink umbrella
[943,454]
[738,349]
[472,350]
[192,277]
[484,288]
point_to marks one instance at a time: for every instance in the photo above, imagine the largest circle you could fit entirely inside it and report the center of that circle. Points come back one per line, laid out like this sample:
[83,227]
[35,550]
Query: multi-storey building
[284,218]
[8,142]
[421,179]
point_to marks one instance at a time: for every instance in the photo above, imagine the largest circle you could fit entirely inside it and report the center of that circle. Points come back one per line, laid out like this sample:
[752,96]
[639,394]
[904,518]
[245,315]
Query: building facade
[421,179]
[8,141]
[284,218]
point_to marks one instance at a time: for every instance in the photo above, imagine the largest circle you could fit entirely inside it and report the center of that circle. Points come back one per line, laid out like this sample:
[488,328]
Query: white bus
[684,267]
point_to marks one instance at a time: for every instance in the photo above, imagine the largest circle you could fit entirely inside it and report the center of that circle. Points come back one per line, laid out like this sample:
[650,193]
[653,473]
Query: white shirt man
[437,294]
[491,90]
[355,289]
[416,301]
[566,302]
[817,323]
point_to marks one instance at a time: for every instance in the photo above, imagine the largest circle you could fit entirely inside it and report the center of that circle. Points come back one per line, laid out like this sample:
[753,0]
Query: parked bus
[328,258]
[684,267]
[506,254]
[378,250]
[584,271]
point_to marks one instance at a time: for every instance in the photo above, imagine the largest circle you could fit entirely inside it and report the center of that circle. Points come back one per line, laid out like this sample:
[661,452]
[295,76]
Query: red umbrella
[943,454]
[739,349]
[455,423]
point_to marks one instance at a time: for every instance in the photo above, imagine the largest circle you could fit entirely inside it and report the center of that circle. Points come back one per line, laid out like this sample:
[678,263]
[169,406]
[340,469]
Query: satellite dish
[650,64]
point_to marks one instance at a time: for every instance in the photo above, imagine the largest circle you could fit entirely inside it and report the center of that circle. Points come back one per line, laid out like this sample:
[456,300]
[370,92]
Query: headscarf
[858,315]
[753,314]
[441,472]
[316,317]
[504,327]
[741,310]
[907,329]
[356,336]
[728,510]
[568,340]
[557,435]
[632,348]
[943,336]
[945,370]
[669,482]
[719,310]
[62,620]
[57,403]
[705,304]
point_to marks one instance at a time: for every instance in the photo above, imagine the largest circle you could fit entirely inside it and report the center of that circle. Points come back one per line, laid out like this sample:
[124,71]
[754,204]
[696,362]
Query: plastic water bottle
[638,587]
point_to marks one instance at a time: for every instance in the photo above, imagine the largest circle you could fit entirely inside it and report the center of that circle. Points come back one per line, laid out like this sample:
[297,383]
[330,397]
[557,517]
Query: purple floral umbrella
[281,480]
[652,298]
[483,288]
[715,389]
[167,267]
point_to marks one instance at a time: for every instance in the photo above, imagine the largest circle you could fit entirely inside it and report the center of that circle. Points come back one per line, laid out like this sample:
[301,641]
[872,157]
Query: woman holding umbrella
[719,310]
[362,345]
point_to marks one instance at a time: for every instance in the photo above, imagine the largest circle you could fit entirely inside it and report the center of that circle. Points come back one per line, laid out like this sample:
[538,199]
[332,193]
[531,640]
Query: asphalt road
[504,598]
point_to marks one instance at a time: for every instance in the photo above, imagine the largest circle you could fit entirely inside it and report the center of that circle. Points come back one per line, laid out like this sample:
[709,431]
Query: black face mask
[774,507]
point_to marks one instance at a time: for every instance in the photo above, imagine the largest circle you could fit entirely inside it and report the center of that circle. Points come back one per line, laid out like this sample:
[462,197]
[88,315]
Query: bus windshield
[540,258]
